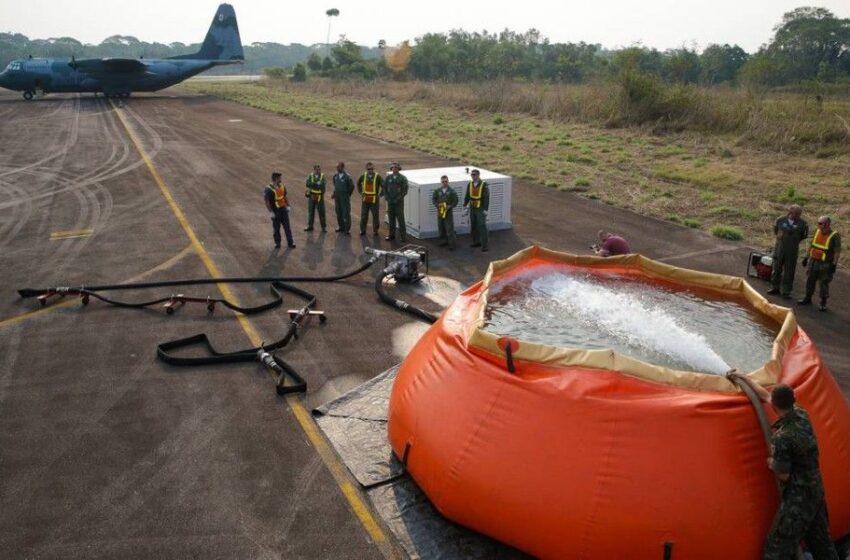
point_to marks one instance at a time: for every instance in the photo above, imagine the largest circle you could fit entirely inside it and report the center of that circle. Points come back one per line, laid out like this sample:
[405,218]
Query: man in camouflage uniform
[315,198]
[790,231]
[445,199]
[394,190]
[802,510]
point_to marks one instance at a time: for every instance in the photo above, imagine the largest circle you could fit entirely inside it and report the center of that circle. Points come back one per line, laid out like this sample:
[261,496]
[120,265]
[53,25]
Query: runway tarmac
[106,452]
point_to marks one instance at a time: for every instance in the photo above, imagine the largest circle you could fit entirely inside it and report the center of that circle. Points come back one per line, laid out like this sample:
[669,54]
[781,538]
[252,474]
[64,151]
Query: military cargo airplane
[119,77]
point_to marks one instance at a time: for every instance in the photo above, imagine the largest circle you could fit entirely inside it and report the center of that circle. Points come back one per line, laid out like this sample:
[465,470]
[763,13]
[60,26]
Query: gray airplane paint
[121,76]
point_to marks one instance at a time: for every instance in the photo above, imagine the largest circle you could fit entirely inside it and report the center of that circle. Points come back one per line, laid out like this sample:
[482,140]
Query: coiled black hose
[165,349]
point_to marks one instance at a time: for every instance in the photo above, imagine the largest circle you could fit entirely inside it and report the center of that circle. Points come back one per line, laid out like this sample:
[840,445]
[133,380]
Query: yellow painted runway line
[70,234]
[327,455]
[39,312]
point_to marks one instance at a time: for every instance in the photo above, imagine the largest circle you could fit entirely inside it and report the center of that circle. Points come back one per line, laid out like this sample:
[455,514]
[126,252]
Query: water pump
[409,264]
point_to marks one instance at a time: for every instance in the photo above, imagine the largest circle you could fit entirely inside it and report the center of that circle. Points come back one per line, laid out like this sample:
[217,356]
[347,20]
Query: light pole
[330,13]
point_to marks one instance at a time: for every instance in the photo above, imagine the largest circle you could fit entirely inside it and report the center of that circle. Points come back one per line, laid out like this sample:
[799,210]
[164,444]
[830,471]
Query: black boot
[806,301]
[822,304]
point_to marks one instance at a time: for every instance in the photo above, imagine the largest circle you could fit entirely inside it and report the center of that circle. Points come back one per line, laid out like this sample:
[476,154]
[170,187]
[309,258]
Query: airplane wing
[102,67]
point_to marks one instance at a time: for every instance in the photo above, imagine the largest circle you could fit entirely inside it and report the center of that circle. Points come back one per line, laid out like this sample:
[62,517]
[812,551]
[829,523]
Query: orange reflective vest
[820,245]
[370,189]
[475,194]
[280,200]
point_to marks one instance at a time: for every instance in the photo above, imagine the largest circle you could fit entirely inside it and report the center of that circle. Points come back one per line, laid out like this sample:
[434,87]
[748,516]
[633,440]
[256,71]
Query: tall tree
[314,62]
[720,63]
[808,41]
[681,65]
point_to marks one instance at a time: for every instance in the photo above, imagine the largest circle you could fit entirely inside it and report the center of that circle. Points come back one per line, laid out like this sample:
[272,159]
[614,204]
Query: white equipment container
[421,215]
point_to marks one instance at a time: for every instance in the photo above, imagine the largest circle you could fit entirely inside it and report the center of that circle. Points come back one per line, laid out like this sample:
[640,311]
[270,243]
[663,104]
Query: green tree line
[809,44]
[258,56]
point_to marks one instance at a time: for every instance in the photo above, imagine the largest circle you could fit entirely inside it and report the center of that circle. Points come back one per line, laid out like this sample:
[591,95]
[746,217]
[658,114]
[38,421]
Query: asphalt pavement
[106,451]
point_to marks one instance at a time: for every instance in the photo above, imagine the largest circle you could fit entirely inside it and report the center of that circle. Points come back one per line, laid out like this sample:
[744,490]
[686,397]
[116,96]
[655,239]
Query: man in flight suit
[445,199]
[369,185]
[478,199]
[395,189]
[343,187]
[315,198]
[790,231]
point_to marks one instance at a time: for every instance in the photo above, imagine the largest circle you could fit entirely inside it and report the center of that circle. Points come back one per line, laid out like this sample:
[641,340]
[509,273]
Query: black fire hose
[86,293]
[397,303]
[261,353]
[34,292]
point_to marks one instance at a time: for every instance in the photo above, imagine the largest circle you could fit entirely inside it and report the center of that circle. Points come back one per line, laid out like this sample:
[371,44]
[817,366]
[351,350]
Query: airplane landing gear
[28,95]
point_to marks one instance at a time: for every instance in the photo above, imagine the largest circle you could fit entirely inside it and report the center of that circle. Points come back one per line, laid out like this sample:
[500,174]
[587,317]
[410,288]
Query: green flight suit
[445,203]
[315,194]
[789,235]
[371,202]
[394,191]
[343,187]
[478,207]
[802,510]
[821,271]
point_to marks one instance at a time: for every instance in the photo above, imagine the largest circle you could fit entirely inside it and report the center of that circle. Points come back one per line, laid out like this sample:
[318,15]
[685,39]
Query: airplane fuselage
[60,76]
[122,76]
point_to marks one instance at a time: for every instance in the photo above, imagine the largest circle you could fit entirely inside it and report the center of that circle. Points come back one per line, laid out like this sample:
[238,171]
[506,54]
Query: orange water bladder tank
[592,454]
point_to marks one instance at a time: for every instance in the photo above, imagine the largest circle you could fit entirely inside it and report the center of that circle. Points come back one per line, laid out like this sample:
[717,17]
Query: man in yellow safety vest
[822,259]
[315,198]
[477,198]
[278,206]
[445,199]
[369,185]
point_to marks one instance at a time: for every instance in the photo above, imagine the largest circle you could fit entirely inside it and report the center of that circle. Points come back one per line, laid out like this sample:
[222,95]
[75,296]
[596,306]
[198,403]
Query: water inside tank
[657,324]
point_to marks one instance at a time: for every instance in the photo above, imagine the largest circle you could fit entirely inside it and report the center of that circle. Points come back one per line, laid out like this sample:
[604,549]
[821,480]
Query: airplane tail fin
[222,42]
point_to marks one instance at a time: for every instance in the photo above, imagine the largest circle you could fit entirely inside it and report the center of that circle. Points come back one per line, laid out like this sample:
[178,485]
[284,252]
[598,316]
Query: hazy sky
[613,23]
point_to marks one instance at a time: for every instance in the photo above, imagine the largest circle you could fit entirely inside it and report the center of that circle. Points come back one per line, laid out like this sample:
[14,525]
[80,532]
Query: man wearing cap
[477,198]
[445,199]
[790,231]
[369,185]
[315,198]
[822,258]
[395,189]
[343,187]
[278,206]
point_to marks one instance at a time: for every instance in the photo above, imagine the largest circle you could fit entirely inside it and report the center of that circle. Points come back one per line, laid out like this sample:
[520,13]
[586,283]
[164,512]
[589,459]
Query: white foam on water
[627,317]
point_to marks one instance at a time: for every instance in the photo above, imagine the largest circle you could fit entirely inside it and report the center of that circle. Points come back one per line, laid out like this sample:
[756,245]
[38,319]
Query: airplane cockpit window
[13,66]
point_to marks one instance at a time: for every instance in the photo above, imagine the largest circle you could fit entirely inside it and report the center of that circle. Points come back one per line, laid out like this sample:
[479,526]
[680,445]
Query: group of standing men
[372,187]
[821,257]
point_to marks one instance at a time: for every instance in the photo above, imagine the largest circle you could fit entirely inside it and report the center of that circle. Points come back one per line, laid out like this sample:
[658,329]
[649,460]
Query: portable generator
[760,265]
